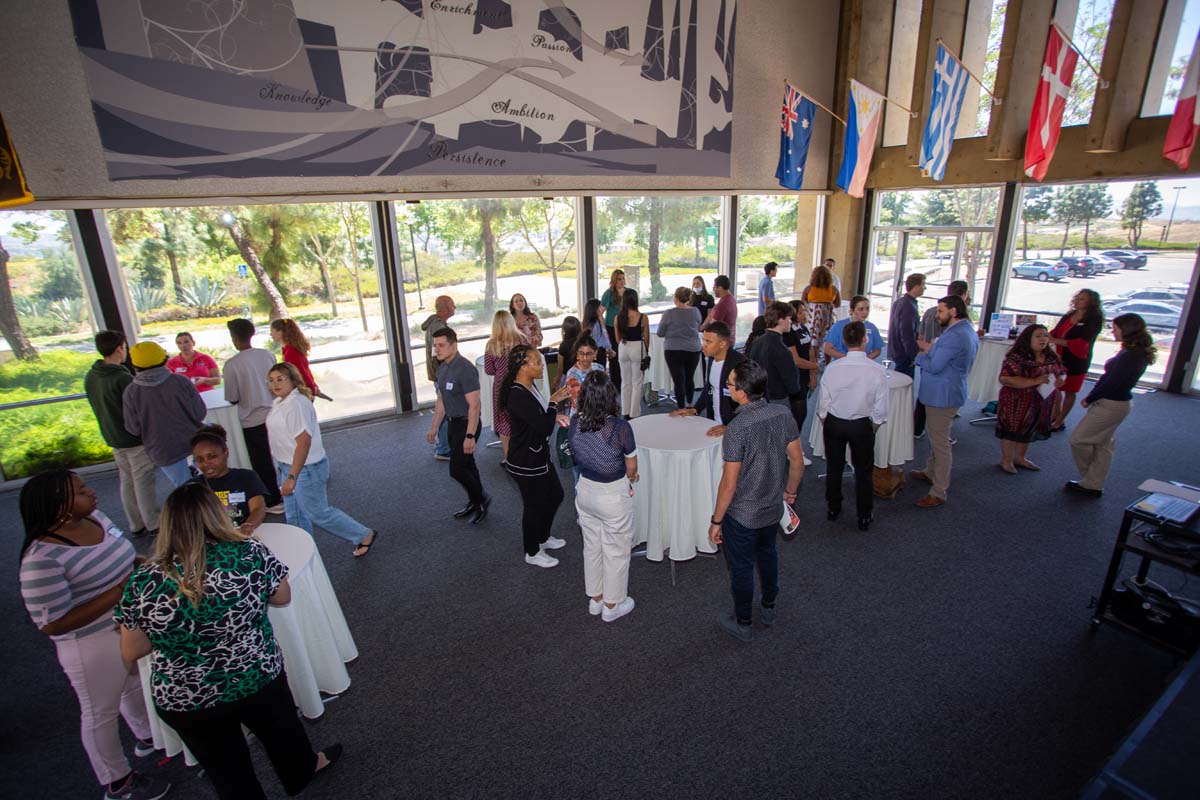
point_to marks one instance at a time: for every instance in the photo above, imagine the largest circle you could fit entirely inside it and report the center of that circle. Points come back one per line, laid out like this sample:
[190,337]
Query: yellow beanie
[147,354]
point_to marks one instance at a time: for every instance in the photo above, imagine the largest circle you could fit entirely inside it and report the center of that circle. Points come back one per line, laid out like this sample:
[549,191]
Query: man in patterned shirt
[763,467]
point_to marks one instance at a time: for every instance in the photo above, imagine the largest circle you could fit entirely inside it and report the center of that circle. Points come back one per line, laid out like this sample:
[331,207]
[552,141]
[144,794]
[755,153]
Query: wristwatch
[470,436]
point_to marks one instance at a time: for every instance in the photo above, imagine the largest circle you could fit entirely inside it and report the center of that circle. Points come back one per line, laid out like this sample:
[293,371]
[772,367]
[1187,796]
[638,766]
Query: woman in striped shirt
[74,563]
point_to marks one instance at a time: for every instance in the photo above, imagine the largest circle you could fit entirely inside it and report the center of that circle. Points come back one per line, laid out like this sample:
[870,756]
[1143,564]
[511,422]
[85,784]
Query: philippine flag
[1181,133]
[862,126]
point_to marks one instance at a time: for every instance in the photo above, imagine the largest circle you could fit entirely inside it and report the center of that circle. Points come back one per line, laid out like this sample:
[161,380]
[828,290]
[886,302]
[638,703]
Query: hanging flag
[862,126]
[1181,133]
[13,191]
[1045,122]
[949,88]
[795,131]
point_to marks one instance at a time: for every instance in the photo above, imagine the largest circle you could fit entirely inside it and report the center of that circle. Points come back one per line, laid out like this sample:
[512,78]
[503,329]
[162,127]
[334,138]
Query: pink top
[201,367]
[531,327]
[726,311]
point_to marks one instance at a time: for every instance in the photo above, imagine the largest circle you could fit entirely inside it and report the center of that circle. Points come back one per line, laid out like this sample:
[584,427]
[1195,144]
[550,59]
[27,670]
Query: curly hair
[516,360]
[597,401]
[1134,335]
[292,335]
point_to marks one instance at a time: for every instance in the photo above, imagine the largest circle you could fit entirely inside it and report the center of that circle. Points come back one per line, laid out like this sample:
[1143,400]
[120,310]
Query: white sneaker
[807,461]
[553,543]
[619,610]
[595,607]
[542,559]
[276,509]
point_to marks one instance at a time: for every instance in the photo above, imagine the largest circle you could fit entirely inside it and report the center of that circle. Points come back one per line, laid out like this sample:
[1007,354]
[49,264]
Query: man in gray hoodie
[105,385]
[164,409]
[444,309]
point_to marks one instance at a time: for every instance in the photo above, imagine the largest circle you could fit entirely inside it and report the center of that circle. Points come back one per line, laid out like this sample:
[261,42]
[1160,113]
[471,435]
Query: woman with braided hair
[533,420]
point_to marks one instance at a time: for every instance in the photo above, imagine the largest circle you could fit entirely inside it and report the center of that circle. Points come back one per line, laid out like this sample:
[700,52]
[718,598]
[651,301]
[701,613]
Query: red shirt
[726,311]
[300,361]
[201,367]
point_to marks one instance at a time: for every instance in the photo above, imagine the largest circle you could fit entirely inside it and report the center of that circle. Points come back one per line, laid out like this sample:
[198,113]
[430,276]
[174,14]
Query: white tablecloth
[485,392]
[658,376]
[311,632]
[983,381]
[894,439]
[679,468]
[226,415]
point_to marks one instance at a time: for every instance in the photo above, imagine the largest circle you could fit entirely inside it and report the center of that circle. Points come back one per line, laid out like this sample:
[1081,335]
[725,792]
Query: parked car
[1130,259]
[1105,264]
[1080,266]
[1172,297]
[1041,269]
[1157,315]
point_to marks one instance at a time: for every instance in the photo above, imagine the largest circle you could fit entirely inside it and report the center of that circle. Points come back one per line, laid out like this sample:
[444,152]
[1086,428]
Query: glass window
[767,231]
[192,269]
[1090,33]
[47,325]
[1122,239]
[482,252]
[981,53]
[906,27]
[1179,29]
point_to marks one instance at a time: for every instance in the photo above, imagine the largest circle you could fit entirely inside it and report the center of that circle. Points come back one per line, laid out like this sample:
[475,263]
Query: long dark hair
[1134,335]
[703,287]
[1095,313]
[628,303]
[571,329]
[757,329]
[46,501]
[1023,346]
[589,316]
[516,360]
[597,401]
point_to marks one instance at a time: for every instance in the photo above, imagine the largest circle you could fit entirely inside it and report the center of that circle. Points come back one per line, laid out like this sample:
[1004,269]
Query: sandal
[332,754]
[366,546]
[1008,469]
[1029,465]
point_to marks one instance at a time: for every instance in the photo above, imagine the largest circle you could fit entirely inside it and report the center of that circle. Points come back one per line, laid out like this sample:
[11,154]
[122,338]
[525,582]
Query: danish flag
[1181,134]
[1045,122]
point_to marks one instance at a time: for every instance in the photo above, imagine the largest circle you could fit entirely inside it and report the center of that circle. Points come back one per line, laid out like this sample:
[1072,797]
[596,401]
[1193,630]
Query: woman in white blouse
[300,461]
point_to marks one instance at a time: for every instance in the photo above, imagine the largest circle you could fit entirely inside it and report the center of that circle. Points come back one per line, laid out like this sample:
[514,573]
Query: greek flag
[949,87]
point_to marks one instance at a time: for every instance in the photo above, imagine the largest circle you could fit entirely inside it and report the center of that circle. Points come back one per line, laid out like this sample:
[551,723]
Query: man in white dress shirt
[852,406]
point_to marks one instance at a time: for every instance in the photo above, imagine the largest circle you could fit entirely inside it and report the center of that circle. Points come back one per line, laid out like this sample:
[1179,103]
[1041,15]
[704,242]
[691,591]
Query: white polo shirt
[291,416]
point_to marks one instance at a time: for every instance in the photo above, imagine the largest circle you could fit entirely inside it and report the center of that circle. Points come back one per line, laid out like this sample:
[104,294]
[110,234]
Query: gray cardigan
[165,410]
[680,327]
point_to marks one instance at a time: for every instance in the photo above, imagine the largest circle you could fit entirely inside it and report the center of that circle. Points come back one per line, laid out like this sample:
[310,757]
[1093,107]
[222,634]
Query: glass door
[936,255]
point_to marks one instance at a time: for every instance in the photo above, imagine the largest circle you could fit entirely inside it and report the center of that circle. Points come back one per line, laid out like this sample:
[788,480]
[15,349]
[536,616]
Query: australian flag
[795,131]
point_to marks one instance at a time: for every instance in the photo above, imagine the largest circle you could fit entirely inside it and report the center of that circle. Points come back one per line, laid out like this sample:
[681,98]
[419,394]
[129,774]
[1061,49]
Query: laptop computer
[1167,509]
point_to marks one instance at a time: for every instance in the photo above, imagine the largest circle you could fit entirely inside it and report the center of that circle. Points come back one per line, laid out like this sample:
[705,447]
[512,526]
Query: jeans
[541,495]
[178,473]
[744,548]
[859,435]
[259,448]
[214,735]
[682,364]
[462,464]
[138,498]
[442,448]
[308,503]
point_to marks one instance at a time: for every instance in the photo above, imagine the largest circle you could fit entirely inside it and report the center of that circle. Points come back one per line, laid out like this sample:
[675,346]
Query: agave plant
[147,297]
[30,307]
[204,295]
[68,310]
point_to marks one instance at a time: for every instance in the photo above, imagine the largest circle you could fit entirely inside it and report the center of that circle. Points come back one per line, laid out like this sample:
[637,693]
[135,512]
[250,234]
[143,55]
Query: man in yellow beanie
[163,409]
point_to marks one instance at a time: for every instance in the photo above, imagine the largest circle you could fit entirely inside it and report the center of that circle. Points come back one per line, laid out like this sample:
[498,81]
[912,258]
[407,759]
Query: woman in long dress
[822,297]
[1024,413]
[505,336]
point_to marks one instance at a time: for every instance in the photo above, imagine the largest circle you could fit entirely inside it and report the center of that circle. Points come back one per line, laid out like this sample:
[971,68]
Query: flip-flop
[368,547]
[1029,465]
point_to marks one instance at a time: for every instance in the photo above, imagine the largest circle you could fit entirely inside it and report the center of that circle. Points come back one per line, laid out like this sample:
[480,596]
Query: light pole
[1171,219]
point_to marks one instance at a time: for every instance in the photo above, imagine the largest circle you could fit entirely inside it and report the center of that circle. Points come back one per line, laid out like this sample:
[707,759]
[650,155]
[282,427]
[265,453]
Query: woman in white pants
[633,344]
[606,457]
[74,563]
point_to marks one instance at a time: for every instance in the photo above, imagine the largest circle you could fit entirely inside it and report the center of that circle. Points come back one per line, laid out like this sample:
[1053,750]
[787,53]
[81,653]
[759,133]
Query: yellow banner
[13,191]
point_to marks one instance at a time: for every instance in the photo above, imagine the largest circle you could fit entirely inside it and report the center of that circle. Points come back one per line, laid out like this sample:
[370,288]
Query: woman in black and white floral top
[200,606]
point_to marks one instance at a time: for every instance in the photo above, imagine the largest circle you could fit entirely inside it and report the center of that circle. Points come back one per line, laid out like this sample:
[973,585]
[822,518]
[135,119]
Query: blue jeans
[309,503]
[744,547]
[442,448]
[178,473]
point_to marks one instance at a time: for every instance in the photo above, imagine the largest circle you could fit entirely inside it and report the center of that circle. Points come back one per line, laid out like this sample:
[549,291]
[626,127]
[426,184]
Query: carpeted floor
[946,653]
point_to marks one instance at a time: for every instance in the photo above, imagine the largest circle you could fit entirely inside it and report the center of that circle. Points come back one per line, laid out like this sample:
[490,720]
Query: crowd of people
[197,605]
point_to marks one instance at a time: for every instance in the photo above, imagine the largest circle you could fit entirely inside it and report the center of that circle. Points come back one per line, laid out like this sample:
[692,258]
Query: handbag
[645,355]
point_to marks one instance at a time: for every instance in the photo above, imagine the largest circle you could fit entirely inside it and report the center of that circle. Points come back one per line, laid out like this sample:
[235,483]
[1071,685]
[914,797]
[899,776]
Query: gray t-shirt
[456,379]
[758,437]
[680,329]
[245,377]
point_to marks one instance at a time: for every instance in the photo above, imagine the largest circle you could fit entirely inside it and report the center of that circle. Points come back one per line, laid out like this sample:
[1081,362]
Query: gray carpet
[946,653]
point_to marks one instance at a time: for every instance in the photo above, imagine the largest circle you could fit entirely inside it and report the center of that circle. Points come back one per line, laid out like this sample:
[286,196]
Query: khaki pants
[632,377]
[1092,442]
[606,520]
[137,473]
[941,459]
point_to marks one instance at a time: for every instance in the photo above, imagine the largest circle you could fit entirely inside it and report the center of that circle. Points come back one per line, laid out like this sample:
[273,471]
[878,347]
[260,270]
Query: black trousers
[259,449]
[214,735]
[541,495]
[614,366]
[919,419]
[799,406]
[860,435]
[682,364]
[462,465]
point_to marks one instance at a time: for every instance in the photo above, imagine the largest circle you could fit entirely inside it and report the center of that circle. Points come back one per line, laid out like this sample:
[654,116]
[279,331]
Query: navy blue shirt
[600,455]
[1121,374]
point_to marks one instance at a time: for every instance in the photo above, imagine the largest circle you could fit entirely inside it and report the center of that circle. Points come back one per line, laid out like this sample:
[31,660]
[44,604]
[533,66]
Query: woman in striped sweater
[74,563]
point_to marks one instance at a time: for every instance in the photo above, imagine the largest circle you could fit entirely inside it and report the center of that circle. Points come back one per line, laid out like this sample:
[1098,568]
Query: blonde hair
[191,516]
[293,374]
[505,334]
[292,335]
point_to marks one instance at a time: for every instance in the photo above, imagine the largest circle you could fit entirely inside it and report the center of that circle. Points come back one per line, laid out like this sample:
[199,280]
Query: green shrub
[55,372]
[60,435]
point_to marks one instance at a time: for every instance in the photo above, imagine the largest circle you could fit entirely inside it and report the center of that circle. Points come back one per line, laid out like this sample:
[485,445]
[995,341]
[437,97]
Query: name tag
[449,386]
[237,497]
[181,369]
[725,392]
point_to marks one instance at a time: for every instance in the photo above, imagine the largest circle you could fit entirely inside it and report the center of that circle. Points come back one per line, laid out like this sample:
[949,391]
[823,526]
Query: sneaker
[807,461]
[734,628]
[920,435]
[953,441]
[553,543]
[440,457]
[766,615]
[139,787]
[619,610]
[275,509]
[595,607]
[143,747]
[542,559]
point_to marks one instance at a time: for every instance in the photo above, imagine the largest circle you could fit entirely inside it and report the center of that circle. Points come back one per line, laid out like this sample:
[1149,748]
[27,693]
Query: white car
[1156,315]
[1107,264]
[1172,297]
